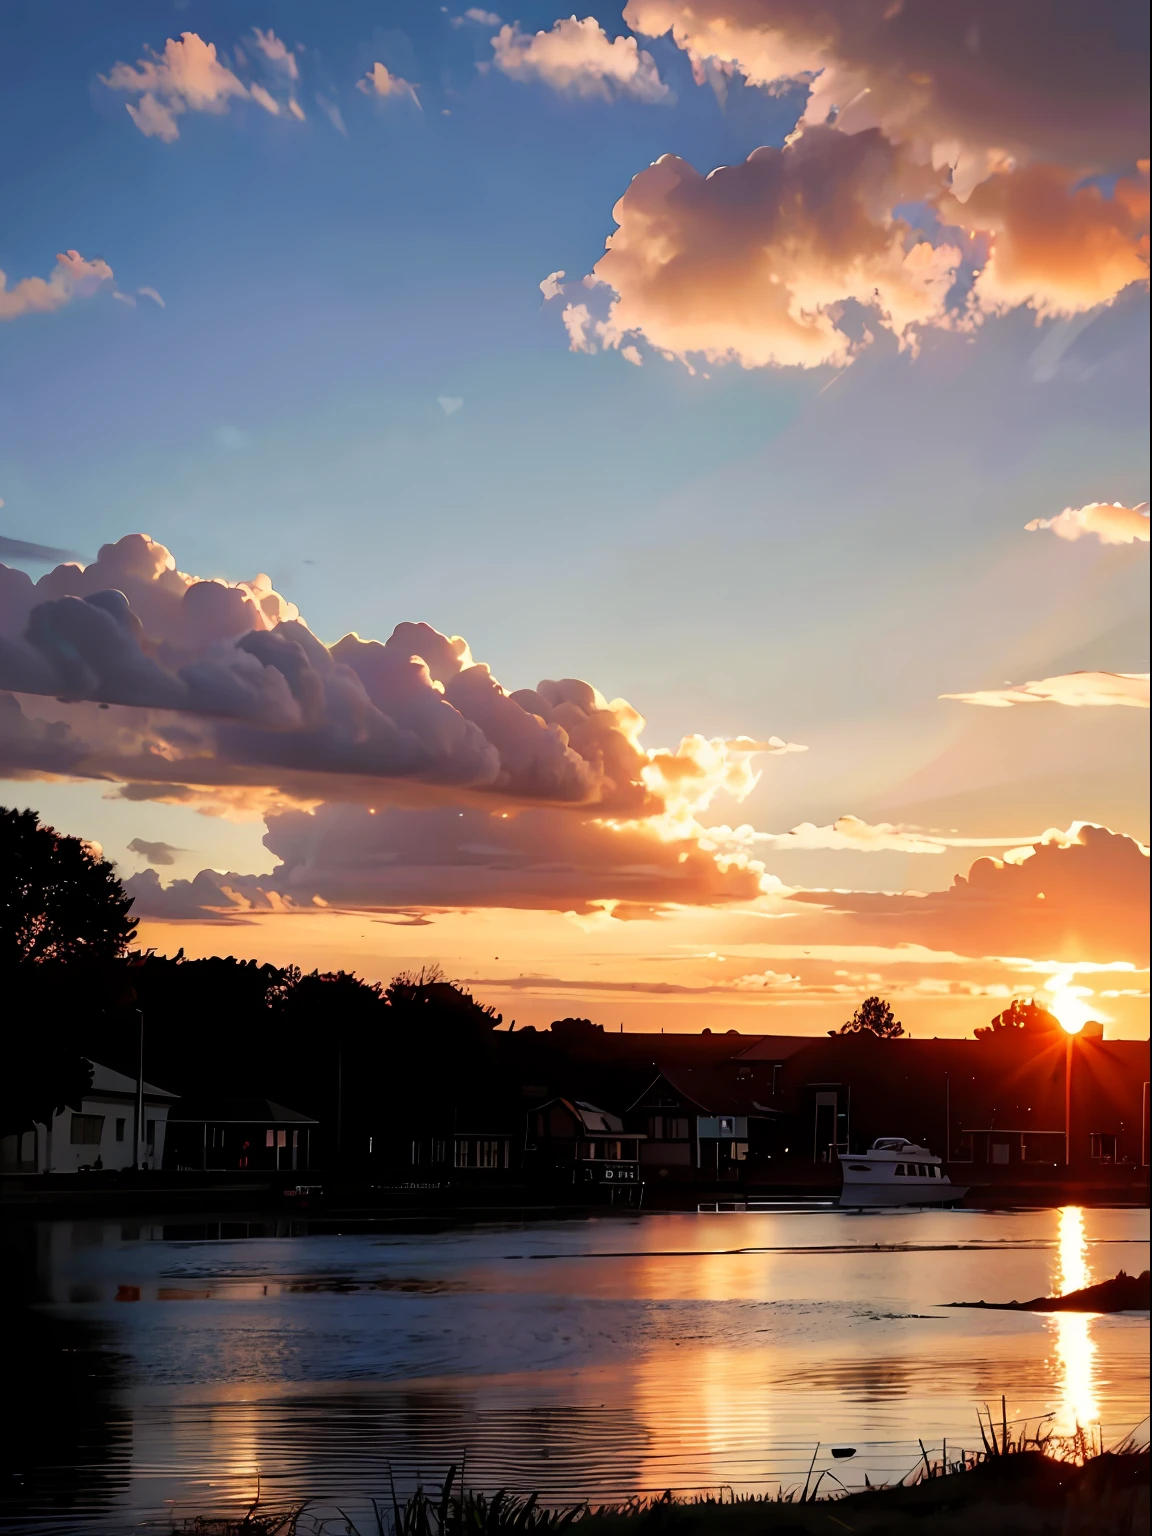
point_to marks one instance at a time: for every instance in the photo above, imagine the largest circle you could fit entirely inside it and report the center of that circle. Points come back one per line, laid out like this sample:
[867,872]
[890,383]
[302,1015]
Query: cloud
[449,404]
[479,17]
[173,682]
[755,262]
[276,54]
[1075,688]
[155,853]
[333,113]
[1111,522]
[970,86]
[380,83]
[849,833]
[551,287]
[1076,896]
[577,58]
[990,126]
[1057,246]
[40,554]
[72,278]
[388,858]
[189,76]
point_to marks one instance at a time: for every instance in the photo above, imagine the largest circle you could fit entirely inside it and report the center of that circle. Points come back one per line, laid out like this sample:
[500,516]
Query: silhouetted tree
[59,900]
[576,1029]
[873,1017]
[1020,1018]
[64,924]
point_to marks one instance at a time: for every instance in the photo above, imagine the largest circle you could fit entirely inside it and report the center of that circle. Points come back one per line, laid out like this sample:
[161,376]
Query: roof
[713,1091]
[593,1120]
[104,1080]
[240,1112]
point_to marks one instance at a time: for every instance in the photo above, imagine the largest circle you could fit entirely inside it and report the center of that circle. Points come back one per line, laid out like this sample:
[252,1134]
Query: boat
[896,1172]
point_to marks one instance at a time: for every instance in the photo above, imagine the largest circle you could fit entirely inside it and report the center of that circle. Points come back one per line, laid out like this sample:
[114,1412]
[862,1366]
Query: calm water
[584,1359]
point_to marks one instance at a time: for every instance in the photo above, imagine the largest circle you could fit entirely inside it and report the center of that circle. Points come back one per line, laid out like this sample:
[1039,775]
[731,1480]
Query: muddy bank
[1123,1293]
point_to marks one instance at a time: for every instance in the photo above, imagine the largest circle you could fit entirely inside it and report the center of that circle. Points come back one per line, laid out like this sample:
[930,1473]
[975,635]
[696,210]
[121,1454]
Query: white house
[97,1135]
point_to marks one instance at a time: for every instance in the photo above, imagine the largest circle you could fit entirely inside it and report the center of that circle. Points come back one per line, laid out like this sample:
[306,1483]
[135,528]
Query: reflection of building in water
[1075,1347]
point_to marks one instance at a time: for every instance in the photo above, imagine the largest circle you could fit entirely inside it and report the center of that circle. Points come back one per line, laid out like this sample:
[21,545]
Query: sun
[1068,1008]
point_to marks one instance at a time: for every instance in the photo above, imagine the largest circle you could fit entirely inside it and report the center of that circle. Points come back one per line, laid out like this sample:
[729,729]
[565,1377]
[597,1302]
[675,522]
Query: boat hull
[865,1196]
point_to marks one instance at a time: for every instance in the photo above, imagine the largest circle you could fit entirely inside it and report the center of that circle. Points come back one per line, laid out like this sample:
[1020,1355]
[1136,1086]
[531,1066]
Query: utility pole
[138,1108]
[1068,1101]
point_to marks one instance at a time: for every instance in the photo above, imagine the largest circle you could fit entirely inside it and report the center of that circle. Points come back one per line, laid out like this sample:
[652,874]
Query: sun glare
[1067,1004]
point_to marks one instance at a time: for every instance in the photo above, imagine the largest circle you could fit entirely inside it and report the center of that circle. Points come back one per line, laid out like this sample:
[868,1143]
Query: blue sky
[759,550]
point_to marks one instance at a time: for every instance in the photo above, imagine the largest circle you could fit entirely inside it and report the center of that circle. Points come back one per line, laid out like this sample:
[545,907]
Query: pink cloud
[380,83]
[72,277]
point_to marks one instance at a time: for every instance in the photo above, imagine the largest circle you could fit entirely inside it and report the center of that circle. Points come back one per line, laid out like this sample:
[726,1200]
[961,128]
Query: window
[1103,1147]
[415,1154]
[296,1141]
[999,1152]
[439,1152]
[739,1151]
[281,1138]
[150,1133]
[87,1130]
[461,1154]
[962,1152]
[269,1138]
[488,1154]
[610,1150]
[120,1130]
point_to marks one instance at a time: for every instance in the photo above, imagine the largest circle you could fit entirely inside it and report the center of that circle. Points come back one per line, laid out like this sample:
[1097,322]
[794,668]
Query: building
[570,1141]
[97,1135]
[239,1136]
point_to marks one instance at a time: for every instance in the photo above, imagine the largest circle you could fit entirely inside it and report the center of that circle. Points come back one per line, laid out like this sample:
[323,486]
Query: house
[700,1122]
[97,1134]
[239,1135]
[576,1142]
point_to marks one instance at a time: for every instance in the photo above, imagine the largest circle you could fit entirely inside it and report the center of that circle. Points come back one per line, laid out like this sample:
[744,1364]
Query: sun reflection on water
[1075,1347]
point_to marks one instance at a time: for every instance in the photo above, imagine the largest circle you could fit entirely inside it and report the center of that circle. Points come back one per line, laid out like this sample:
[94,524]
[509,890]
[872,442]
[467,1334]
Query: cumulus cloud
[1111,522]
[173,682]
[578,58]
[189,76]
[551,286]
[970,85]
[71,278]
[386,859]
[1076,896]
[1077,689]
[755,262]
[383,85]
[1021,132]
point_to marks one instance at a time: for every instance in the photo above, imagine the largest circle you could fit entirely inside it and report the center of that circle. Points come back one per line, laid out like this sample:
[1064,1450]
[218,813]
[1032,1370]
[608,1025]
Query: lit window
[269,1138]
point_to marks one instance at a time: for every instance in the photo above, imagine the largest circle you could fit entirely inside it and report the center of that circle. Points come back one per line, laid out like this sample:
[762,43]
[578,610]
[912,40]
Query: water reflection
[1075,1346]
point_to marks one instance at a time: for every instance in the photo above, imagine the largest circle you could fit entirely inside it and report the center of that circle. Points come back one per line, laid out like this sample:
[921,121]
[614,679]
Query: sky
[760,390]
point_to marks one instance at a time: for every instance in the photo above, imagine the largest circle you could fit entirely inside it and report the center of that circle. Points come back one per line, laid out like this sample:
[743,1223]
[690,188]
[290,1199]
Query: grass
[1023,1481]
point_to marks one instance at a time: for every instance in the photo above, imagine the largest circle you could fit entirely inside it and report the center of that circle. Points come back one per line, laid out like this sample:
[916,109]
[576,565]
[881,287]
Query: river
[158,1372]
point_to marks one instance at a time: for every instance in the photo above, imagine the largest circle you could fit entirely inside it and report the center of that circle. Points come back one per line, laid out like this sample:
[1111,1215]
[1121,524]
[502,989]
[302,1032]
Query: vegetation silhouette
[873,1017]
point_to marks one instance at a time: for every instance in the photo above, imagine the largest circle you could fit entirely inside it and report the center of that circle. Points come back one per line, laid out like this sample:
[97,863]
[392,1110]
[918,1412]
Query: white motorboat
[896,1172]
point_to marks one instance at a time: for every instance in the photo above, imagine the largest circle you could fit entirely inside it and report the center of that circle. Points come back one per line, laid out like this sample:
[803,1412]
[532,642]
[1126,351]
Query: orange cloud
[1056,246]
[1111,522]
[1075,688]
[1077,896]
[754,262]
[992,117]
[849,833]
[72,278]
[578,58]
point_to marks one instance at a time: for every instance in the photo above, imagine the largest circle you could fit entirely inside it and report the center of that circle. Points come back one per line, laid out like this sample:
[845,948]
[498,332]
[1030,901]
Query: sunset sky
[818,494]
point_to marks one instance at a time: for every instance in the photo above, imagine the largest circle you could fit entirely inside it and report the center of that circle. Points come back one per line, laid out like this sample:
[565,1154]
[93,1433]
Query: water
[154,1376]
